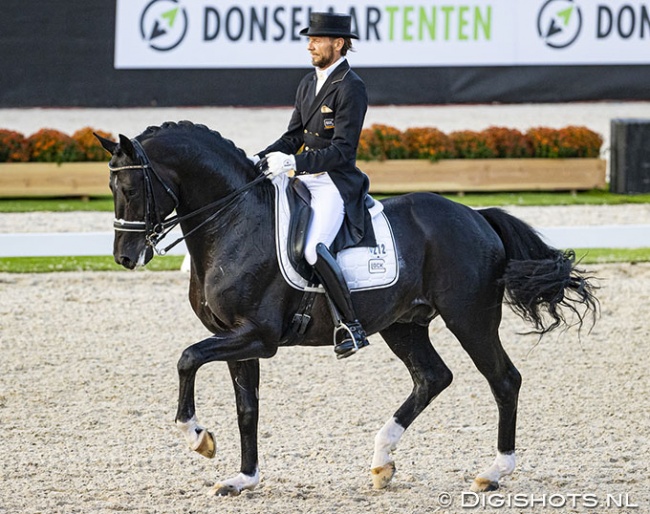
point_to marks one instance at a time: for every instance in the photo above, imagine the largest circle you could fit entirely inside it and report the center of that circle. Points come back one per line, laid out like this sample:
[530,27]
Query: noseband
[153,227]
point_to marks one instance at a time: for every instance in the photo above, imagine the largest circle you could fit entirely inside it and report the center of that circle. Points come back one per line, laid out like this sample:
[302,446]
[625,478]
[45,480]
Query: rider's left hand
[279,163]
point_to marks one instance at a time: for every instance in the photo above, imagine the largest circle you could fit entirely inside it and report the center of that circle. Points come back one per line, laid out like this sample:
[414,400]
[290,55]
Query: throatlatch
[349,336]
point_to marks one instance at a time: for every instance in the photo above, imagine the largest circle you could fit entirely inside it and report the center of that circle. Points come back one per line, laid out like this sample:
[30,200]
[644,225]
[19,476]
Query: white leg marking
[191,430]
[236,485]
[503,465]
[386,441]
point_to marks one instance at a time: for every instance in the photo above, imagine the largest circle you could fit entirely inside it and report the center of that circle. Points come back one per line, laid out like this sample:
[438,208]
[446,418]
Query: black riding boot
[349,334]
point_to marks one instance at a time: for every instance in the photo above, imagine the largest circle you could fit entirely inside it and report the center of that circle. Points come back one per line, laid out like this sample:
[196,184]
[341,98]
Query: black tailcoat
[324,134]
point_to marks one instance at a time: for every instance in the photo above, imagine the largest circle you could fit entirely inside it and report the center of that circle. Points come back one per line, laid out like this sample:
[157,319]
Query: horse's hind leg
[478,333]
[410,342]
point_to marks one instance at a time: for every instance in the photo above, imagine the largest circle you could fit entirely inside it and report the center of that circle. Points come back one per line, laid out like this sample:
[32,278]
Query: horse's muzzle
[131,263]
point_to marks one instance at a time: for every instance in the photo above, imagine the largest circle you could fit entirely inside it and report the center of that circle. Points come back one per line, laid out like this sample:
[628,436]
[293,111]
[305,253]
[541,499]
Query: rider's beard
[324,59]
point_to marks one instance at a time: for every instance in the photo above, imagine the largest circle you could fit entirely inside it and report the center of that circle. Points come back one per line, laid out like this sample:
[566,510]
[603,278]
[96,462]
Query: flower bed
[495,159]
[417,159]
[381,142]
[50,145]
[52,163]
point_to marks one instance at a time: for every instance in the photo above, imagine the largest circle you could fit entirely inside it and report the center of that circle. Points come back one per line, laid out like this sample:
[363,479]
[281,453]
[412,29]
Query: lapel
[329,87]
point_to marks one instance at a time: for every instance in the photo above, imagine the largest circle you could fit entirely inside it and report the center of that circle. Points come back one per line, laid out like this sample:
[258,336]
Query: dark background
[60,54]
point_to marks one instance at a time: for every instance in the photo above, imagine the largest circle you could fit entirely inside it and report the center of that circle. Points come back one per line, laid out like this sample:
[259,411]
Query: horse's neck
[239,219]
[202,184]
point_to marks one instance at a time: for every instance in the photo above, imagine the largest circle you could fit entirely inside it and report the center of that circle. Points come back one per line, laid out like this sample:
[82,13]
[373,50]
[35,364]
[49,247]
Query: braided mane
[193,129]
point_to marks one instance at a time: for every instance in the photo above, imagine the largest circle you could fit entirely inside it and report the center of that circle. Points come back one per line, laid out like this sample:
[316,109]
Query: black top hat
[329,24]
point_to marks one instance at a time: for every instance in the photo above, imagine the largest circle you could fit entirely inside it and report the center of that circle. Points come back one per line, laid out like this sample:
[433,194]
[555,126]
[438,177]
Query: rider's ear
[127,147]
[107,144]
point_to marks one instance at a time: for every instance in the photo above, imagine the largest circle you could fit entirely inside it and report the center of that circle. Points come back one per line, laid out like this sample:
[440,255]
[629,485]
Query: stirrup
[352,339]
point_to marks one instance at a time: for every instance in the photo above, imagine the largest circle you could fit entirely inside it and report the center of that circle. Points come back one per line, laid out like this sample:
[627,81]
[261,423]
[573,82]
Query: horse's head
[143,197]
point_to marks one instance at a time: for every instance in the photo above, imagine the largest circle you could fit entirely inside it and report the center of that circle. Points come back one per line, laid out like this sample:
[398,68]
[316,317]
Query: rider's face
[324,50]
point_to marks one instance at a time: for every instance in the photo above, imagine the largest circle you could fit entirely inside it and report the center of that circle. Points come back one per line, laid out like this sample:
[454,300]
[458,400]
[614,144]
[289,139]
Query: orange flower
[508,143]
[13,147]
[49,145]
[472,145]
[545,141]
[428,143]
[93,150]
[380,142]
[578,142]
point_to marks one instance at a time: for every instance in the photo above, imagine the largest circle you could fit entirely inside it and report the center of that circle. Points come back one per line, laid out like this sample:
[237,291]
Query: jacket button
[305,131]
[306,148]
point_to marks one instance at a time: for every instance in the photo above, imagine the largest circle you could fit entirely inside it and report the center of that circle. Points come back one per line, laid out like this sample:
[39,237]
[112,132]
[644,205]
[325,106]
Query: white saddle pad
[364,268]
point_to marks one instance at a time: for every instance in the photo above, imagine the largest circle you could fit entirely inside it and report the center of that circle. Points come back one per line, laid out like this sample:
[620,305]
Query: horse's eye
[131,192]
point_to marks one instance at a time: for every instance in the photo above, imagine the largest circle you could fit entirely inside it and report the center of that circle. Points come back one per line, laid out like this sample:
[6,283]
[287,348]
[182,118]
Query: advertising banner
[206,34]
[134,53]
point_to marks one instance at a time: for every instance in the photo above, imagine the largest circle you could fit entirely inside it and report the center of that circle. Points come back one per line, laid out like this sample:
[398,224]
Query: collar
[324,74]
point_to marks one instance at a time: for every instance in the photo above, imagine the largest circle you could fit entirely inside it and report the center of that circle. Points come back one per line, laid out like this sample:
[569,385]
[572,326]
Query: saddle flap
[300,216]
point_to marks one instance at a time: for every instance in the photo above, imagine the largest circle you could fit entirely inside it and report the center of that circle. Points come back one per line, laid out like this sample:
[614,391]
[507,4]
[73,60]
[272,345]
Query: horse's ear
[127,147]
[107,144]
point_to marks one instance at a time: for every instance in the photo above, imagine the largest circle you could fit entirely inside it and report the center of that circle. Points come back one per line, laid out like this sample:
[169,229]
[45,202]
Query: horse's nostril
[126,262]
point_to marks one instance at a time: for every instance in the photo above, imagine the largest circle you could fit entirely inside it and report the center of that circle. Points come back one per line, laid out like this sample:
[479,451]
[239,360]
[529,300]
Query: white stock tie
[322,77]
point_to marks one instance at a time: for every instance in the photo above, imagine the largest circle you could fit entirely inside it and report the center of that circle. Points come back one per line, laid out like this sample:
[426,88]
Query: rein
[158,230]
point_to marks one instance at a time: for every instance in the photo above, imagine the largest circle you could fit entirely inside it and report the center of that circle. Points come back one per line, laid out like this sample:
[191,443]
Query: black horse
[455,262]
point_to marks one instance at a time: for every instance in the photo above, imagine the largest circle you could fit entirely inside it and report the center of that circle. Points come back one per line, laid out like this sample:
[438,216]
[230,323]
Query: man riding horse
[455,263]
[320,145]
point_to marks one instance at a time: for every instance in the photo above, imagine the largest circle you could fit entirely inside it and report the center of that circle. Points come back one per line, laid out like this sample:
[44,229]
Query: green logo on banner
[163,24]
[559,23]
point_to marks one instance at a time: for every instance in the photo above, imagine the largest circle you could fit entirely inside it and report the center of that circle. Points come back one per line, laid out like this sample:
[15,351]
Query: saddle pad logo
[376,266]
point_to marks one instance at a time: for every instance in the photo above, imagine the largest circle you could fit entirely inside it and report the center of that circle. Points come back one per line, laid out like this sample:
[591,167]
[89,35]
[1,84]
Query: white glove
[254,159]
[279,163]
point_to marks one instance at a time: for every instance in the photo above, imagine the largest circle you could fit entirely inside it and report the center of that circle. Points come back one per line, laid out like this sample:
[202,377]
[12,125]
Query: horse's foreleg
[430,377]
[225,347]
[245,378]
[198,438]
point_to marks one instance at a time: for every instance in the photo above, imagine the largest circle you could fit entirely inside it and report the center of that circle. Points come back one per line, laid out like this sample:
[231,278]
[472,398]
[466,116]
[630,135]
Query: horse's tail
[539,279]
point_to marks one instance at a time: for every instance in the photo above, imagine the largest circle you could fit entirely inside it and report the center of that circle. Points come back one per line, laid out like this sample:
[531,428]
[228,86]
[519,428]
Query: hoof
[382,475]
[206,445]
[224,490]
[484,485]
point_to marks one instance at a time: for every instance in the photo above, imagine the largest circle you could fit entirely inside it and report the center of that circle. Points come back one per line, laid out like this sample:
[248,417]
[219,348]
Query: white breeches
[329,211]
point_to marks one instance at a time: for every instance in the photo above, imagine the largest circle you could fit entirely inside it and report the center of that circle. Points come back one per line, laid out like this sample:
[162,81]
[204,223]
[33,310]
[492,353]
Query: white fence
[101,243]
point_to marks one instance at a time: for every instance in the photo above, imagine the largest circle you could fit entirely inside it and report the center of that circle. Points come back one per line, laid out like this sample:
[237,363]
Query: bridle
[154,228]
